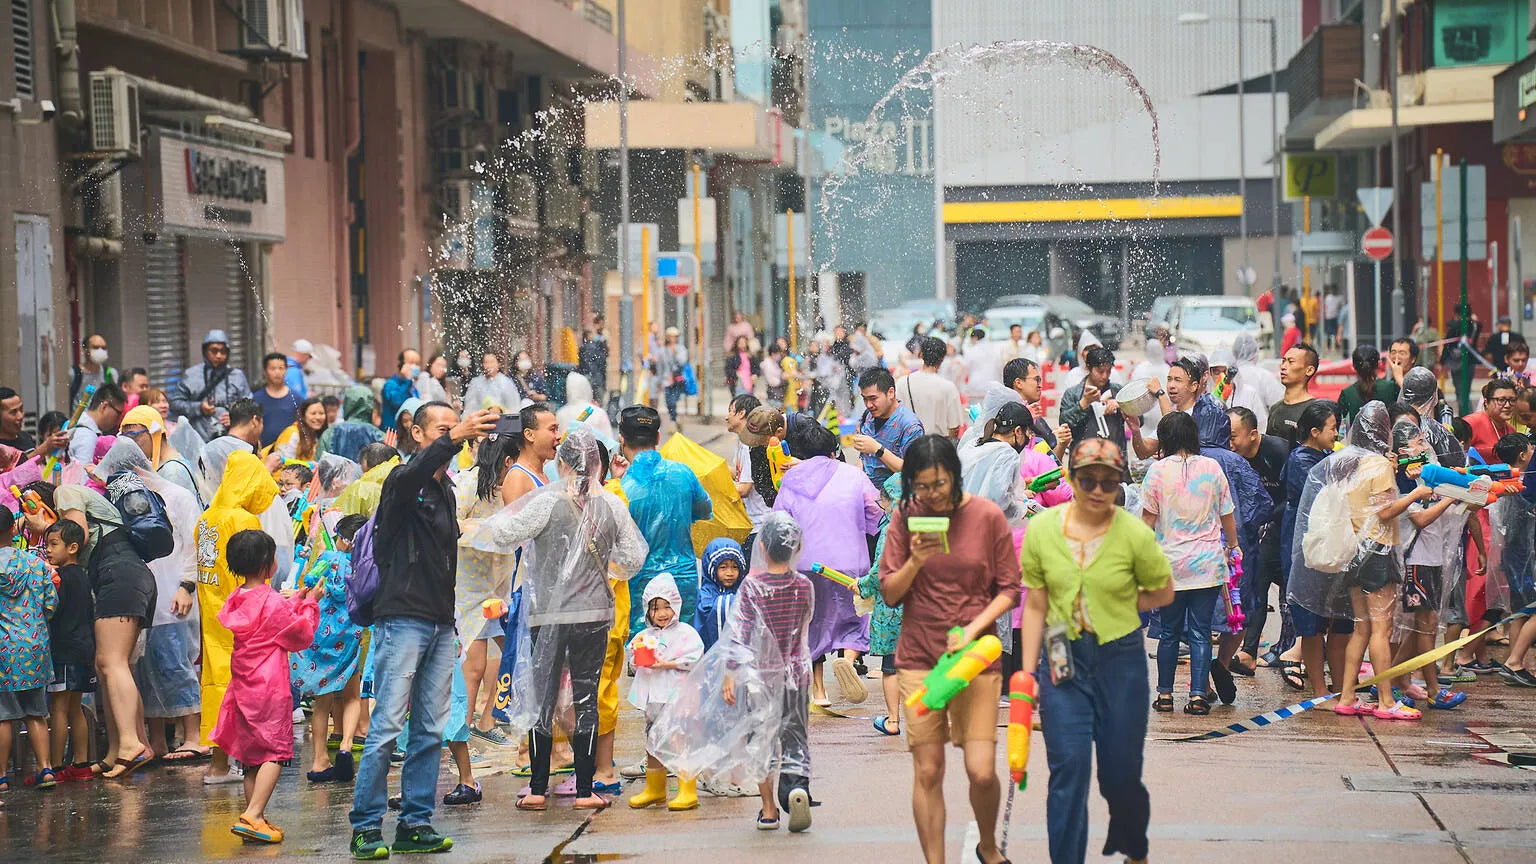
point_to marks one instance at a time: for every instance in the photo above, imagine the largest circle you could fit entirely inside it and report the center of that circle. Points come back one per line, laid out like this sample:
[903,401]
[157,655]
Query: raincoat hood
[665,587]
[1246,349]
[123,455]
[1154,351]
[578,390]
[1420,390]
[361,497]
[1214,424]
[357,404]
[719,550]
[245,610]
[1086,339]
[246,485]
[1372,429]
[892,487]
[150,419]
[997,396]
[214,460]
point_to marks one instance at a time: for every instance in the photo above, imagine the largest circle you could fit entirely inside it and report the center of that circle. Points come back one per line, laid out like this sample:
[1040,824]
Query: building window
[1475,32]
[23,62]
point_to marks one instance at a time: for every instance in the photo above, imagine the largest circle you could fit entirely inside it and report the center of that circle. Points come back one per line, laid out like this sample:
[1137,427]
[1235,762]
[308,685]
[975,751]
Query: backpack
[143,515]
[363,581]
[1329,547]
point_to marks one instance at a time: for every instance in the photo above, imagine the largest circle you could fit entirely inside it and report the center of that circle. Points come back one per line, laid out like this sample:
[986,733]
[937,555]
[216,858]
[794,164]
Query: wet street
[1315,787]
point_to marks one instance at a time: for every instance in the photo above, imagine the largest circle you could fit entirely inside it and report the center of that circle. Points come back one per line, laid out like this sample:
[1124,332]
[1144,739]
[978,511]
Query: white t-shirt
[741,471]
[1331,304]
[1435,542]
[934,399]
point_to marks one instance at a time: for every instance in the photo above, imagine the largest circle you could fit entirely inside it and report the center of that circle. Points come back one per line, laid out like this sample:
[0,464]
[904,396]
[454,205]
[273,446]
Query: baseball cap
[1096,451]
[303,346]
[1013,415]
[640,424]
[762,423]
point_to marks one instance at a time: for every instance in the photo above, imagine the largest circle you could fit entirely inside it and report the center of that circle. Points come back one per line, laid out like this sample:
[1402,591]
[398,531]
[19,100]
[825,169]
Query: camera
[50,110]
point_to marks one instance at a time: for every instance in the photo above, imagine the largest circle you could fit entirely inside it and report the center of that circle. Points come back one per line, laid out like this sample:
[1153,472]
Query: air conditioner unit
[522,198]
[592,234]
[272,29]
[562,207]
[114,114]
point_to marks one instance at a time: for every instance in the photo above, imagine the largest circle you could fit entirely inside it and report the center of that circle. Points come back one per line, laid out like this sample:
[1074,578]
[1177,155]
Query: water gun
[1502,488]
[1041,482]
[51,468]
[847,427]
[493,608]
[32,504]
[954,673]
[779,459]
[1498,470]
[1450,483]
[1235,614]
[1406,461]
[586,412]
[1021,710]
[840,578]
[1225,387]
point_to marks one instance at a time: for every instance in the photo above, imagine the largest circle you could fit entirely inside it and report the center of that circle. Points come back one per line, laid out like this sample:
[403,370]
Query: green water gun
[1042,482]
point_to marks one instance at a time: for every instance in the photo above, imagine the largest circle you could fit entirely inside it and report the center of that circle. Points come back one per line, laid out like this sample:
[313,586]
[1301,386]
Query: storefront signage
[1311,175]
[215,189]
[1514,103]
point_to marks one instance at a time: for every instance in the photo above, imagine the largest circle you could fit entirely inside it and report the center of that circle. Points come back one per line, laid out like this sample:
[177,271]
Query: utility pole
[1464,309]
[626,303]
[1399,298]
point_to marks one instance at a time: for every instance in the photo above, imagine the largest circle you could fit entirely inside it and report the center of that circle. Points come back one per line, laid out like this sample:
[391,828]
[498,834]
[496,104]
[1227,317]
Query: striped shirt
[781,603]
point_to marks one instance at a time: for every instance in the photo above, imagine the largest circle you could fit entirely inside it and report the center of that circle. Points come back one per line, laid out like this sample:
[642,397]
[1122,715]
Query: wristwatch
[1156,395]
[880,454]
[189,586]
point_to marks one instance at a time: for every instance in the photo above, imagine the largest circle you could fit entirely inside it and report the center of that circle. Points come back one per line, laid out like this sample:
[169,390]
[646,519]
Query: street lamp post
[1274,128]
[626,303]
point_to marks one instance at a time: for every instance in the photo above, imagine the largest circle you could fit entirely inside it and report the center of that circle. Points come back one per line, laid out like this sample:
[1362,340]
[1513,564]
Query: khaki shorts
[971,715]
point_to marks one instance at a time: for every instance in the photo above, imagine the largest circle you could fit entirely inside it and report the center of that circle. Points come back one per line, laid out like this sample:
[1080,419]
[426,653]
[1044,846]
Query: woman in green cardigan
[1091,568]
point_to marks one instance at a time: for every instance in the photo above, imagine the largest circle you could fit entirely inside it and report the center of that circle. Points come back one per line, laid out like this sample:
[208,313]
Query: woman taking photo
[1186,500]
[1091,568]
[964,578]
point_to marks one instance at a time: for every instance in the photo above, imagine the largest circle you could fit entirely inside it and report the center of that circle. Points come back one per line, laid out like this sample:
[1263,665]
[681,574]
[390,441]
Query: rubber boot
[687,795]
[655,789]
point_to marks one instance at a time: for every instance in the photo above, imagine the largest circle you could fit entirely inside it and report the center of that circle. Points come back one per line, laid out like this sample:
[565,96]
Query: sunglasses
[1088,484]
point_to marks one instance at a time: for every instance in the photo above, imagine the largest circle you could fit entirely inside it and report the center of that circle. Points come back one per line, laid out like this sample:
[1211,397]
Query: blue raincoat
[665,499]
[715,602]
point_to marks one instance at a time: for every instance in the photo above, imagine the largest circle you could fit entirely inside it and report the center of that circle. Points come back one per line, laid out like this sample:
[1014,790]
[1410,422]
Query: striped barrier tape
[1272,717]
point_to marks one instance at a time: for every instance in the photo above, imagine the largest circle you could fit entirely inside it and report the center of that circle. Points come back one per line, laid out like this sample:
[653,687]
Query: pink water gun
[1235,616]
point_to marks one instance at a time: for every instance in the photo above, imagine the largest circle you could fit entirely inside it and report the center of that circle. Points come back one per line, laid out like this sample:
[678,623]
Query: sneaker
[235,775]
[633,772]
[298,716]
[493,736]
[422,838]
[462,794]
[369,845]
[1458,675]
[765,824]
[1518,678]
[1482,668]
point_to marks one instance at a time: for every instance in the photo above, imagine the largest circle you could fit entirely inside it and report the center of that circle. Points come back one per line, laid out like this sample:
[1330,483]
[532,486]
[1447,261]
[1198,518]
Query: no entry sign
[1376,243]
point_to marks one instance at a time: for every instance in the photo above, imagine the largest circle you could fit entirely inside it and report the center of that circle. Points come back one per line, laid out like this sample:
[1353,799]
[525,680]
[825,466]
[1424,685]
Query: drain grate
[1394,783]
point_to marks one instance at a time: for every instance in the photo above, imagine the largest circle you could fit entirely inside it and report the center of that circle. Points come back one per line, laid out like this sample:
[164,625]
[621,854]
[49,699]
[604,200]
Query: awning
[1365,128]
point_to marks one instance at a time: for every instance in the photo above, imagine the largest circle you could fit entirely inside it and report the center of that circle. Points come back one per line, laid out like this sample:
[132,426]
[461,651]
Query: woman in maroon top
[966,585]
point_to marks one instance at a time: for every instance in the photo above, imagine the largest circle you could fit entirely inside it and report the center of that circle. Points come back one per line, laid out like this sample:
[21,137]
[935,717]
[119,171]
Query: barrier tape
[1272,717]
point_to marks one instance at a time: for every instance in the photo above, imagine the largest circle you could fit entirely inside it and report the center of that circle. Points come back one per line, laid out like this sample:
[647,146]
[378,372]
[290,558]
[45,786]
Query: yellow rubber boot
[655,789]
[687,795]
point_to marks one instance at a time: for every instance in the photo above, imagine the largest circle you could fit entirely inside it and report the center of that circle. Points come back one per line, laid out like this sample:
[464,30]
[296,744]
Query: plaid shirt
[782,603]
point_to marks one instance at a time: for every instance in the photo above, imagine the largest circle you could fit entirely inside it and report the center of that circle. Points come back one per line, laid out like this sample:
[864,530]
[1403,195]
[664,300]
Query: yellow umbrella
[730,518]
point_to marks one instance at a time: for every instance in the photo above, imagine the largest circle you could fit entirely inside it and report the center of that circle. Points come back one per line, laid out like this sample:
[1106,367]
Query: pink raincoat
[256,717]
[1033,463]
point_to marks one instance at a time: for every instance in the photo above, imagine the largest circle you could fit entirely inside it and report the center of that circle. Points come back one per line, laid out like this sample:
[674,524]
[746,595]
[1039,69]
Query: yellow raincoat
[362,497]
[618,637]
[729,517]
[246,491]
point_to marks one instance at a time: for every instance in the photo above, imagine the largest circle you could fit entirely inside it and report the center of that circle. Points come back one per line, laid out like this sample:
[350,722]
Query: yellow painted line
[1093,209]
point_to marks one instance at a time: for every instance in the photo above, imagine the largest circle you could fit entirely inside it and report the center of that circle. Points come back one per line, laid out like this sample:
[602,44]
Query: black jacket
[416,535]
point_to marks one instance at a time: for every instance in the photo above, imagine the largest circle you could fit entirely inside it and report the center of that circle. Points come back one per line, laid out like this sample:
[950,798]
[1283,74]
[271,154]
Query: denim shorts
[1308,623]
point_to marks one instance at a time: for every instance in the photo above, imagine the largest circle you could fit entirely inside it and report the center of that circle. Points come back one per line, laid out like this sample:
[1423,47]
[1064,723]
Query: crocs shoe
[1447,699]
[1360,706]
[1398,711]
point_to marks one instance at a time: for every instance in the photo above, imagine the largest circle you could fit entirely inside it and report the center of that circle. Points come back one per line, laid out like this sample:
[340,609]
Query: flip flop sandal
[191,757]
[1221,679]
[1236,667]
[100,767]
[5,782]
[848,680]
[525,804]
[613,788]
[129,767]
[1447,699]
[880,726]
[580,804]
[983,860]
[45,779]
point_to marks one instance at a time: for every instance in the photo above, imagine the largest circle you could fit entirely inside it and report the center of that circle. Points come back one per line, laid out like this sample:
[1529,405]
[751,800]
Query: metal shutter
[166,310]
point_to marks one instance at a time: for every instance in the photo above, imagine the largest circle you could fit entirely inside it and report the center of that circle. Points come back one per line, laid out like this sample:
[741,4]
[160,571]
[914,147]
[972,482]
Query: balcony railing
[593,12]
[1327,66]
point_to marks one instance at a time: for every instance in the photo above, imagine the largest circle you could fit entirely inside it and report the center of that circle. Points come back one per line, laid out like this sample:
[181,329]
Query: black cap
[1013,415]
[640,424]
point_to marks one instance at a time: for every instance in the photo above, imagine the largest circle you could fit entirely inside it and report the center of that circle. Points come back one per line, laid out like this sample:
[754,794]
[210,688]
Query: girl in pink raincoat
[255,724]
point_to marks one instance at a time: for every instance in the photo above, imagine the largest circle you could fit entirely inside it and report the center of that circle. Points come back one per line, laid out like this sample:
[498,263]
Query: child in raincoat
[255,723]
[328,668]
[724,566]
[662,653]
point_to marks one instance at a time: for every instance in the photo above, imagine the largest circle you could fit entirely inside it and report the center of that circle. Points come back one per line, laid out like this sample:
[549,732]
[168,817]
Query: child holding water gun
[70,633]
[328,668]
[255,724]
[781,600]
[662,654]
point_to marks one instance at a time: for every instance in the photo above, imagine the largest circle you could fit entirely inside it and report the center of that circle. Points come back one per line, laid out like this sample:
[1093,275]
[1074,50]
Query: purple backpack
[363,581]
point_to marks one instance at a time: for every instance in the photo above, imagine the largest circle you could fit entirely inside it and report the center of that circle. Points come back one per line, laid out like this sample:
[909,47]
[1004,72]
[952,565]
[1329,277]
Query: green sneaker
[422,838]
[369,845]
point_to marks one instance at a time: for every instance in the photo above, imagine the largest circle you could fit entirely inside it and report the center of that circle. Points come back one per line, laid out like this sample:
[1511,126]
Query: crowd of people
[454,558]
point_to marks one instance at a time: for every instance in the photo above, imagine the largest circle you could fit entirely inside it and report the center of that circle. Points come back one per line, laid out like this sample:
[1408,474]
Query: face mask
[524,365]
[412,371]
[98,355]
[463,362]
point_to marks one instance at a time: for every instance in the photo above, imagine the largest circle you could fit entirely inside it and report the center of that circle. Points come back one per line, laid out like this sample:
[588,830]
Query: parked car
[897,323]
[1074,312]
[1206,323]
[1161,308]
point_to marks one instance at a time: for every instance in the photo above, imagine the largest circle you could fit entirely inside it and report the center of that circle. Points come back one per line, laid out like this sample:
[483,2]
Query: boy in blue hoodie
[724,565]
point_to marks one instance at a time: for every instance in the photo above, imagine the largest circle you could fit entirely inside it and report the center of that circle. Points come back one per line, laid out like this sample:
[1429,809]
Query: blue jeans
[413,674]
[1188,617]
[1103,707]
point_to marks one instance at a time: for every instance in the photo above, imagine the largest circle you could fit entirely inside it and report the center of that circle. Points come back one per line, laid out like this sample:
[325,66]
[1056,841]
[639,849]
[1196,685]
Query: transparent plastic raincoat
[1341,551]
[1255,387]
[1435,547]
[742,710]
[1421,392]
